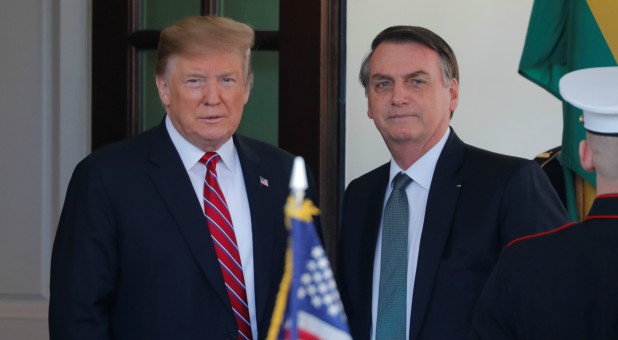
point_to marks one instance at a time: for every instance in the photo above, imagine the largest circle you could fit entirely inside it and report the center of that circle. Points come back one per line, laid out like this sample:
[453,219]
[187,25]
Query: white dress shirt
[232,183]
[421,173]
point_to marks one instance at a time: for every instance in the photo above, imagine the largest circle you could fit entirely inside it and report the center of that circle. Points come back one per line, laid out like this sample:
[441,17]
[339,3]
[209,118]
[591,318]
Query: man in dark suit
[461,204]
[562,284]
[137,255]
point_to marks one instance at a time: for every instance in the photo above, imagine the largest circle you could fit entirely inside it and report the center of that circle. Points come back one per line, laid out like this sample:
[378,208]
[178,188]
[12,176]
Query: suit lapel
[441,205]
[171,180]
[376,191]
[266,215]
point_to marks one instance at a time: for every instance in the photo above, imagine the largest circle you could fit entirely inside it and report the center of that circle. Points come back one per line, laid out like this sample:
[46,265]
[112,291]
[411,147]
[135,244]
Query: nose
[210,93]
[400,94]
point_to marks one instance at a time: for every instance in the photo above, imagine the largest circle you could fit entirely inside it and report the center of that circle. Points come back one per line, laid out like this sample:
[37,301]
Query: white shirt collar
[191,154]
[422,170]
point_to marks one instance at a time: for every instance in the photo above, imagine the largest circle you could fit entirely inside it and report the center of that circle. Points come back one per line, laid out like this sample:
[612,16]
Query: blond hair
[199,34]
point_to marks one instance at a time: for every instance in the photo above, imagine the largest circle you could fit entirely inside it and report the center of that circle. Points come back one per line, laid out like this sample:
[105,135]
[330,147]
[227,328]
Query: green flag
[563,36]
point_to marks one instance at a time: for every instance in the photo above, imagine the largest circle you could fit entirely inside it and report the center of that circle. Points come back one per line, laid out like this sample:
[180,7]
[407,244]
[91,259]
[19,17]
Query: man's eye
[382,84]
[194,82]
[228,80]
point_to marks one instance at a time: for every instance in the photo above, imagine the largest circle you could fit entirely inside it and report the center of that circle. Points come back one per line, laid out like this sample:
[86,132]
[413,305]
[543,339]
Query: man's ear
[585,156]
[454,90]
[164,90]
[248,86]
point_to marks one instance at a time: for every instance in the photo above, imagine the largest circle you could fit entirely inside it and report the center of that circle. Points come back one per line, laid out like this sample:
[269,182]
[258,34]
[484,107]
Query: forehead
[396,58]
[228,60]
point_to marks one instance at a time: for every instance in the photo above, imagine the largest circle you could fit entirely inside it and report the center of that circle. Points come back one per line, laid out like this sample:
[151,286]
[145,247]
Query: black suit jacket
[561,285]
[133,258]
[477,203]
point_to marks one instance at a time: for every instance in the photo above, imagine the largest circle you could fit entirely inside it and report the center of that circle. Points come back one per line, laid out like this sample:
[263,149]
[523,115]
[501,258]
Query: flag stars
[322,288]
[305,279]
[317,277]
[316,301]
[323,263]
[317,252]
[334,310]
[317,284]
[332,285]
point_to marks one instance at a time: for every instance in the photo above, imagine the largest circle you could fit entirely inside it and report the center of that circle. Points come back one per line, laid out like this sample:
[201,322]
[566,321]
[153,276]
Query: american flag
[313,309]
[263,181]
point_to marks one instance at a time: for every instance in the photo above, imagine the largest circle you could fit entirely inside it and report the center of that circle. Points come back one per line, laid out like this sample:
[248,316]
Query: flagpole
[298,181]
[298,185]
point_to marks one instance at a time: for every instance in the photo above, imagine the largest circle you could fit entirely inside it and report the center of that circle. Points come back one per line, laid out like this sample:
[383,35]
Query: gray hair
[418,35]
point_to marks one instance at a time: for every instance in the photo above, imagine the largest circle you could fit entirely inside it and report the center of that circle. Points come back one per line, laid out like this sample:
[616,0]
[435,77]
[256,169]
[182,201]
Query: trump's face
[204,96]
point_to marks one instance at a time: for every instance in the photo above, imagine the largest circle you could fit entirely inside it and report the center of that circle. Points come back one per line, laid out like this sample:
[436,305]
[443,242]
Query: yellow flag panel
[606,13]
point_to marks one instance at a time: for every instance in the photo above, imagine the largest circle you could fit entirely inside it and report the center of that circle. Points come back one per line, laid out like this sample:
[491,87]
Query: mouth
[211,119]
[397,116]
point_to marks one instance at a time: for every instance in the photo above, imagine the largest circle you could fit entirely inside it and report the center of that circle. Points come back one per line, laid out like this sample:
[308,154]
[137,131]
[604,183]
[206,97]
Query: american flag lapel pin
[263,181]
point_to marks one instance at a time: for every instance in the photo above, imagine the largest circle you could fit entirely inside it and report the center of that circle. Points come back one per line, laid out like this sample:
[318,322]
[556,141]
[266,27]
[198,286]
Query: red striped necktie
[224,240]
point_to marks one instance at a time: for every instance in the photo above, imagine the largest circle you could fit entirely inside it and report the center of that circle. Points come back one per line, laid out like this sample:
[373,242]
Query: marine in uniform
[563,284]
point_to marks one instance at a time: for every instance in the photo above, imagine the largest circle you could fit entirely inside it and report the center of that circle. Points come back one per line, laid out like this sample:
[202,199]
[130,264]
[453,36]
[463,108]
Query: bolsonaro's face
[407,97]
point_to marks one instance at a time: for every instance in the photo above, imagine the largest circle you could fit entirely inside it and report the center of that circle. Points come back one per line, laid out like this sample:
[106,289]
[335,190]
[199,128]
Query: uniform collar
[604,206]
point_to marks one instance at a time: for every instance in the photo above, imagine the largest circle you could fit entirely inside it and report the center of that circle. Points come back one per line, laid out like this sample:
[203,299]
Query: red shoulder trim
[600,217]
[539,234]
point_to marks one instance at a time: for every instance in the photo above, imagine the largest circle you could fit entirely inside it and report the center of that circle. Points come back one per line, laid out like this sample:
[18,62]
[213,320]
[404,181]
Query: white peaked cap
[595,91]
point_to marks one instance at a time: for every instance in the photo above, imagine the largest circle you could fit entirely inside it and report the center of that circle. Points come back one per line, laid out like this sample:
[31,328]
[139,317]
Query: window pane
[261,115]
[158,14]
[262,15]
[151,111]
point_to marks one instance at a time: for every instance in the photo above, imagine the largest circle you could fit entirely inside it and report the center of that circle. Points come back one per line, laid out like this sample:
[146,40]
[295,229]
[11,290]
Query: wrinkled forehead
[406,55]
[197,53]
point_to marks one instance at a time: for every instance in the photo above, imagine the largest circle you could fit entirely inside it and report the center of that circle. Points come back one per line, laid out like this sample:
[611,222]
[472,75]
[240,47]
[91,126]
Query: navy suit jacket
[133,258]
[477,203]
[557,285]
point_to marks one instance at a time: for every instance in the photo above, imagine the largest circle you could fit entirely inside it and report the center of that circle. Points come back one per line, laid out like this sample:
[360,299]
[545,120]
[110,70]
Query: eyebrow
[226,74]
[416,74]
[194,75]
[380,76]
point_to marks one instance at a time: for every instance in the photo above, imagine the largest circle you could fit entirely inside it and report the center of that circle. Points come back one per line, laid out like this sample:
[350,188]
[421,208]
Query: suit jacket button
[231,336]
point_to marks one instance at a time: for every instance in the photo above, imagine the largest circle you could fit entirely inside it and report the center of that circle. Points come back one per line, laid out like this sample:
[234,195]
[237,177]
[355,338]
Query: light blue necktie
[391,323]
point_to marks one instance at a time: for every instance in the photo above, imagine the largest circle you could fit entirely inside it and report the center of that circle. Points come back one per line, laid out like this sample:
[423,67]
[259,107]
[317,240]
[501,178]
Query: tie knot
[210,159]
[401,181]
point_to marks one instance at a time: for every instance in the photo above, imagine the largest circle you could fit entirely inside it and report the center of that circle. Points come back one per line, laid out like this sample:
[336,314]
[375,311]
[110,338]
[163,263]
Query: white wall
[499,110]
[43,132]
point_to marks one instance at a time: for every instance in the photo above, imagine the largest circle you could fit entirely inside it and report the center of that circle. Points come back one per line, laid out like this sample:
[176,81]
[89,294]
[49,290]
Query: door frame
[311,104]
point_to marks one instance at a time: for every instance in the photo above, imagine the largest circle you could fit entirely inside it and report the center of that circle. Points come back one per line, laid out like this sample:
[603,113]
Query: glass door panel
[151,111]
[261,115]
[157,14]
[262,15]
